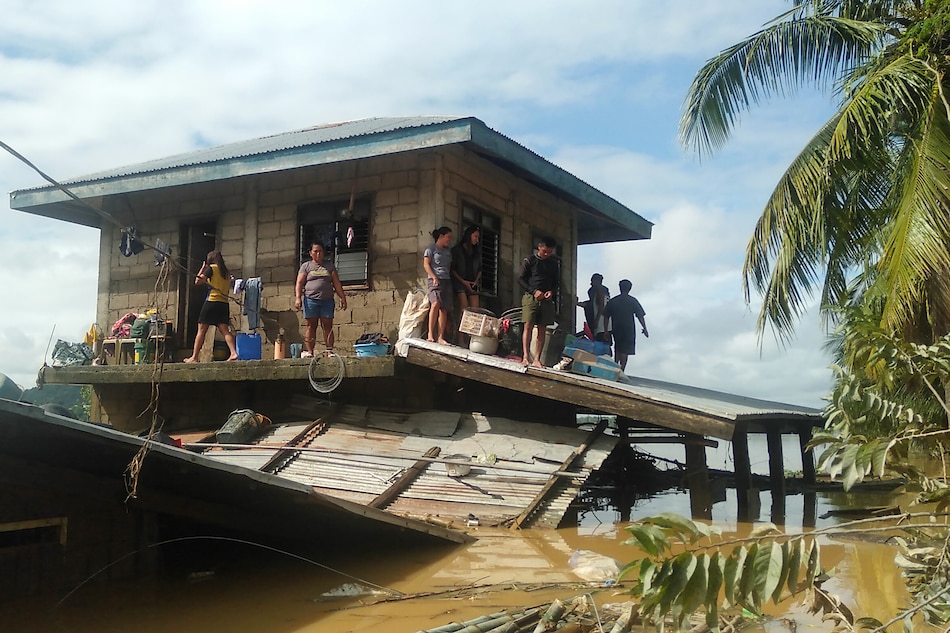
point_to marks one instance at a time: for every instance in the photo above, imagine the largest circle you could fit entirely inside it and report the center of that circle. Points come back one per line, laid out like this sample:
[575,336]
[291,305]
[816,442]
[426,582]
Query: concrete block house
[372,189]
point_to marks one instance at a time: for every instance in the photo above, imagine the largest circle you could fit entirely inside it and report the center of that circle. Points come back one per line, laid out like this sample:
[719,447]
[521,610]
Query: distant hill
[69,396]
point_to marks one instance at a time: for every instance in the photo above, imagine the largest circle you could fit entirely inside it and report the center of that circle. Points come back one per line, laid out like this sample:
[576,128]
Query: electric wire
[388,590]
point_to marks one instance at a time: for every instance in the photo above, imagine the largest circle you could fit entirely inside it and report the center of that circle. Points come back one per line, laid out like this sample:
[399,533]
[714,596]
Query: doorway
[197,240]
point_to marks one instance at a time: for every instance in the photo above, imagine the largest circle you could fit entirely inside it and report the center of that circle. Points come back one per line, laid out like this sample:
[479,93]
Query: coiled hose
[326,385]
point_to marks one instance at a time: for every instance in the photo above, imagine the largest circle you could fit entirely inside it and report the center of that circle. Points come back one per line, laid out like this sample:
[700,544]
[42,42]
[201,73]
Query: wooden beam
[307,435]
[402,482]
[808,456]
[675,439]
[556,475]
[697,479]
[232,371]
[776,464]
[563,387]
[740,453]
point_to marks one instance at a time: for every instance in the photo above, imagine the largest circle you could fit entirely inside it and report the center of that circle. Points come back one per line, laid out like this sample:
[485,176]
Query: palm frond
[776,60]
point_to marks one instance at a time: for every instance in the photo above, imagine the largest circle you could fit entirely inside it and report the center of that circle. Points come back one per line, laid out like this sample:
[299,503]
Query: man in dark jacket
[540,279]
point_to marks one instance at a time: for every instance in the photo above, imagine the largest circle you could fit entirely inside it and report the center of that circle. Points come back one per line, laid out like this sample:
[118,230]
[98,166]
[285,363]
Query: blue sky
[595,87]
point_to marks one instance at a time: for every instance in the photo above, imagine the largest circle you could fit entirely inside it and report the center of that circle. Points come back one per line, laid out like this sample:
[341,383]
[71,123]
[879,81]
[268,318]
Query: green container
[144,351]
[220,351]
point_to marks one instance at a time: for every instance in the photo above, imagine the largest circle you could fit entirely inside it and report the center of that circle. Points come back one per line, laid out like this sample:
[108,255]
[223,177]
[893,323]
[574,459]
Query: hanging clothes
[252,302]
[130,244]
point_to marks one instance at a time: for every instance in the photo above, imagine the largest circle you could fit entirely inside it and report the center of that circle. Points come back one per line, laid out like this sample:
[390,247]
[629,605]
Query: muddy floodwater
[220,586]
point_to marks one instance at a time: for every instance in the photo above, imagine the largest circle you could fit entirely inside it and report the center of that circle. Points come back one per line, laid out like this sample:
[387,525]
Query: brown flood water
[242,589]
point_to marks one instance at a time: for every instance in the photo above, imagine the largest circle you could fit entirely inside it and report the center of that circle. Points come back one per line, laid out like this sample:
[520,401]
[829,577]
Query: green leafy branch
[755,571]
[713,573]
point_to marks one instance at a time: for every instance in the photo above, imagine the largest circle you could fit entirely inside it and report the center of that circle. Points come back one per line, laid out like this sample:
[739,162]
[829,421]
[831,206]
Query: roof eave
[603,219]
[44,200]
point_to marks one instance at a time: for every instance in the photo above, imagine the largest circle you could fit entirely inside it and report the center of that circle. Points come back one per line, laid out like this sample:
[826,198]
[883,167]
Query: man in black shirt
[540,278]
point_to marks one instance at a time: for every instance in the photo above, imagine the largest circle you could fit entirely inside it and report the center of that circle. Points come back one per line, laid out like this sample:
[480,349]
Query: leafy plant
[711,573]
[715,574]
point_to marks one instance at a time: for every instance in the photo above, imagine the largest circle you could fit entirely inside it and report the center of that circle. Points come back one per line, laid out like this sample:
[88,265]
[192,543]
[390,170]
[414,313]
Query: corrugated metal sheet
[356,461]
[177,482]
[268,144]
[352,140]
[725,406]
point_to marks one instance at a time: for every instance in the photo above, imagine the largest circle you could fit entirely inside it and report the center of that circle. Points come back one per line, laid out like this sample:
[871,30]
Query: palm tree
[863,209]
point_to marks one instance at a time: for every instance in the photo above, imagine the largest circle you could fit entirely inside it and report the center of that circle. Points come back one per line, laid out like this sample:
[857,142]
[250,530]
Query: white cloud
[100,84]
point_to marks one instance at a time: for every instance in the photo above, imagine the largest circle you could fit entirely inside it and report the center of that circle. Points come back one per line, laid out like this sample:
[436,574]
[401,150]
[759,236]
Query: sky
[597,88]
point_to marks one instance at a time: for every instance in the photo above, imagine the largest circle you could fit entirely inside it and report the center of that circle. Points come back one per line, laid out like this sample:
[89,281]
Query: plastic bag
[415,311]
[593,567]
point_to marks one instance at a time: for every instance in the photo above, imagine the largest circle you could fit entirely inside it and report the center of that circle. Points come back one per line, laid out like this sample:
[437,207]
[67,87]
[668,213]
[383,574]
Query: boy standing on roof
[622,310]
[540,279]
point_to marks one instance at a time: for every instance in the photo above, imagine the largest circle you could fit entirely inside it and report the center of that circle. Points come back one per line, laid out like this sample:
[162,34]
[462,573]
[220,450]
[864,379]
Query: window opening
[344,234]
[33,532]
[490,240]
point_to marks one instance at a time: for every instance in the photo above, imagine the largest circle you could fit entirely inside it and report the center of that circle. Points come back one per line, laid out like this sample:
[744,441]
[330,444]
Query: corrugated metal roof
[296,139]
[174,481]
[355,460]
[703,411]
[324,144]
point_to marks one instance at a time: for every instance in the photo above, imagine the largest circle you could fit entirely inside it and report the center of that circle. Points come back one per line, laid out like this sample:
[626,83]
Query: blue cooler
[371,349]
[248,346]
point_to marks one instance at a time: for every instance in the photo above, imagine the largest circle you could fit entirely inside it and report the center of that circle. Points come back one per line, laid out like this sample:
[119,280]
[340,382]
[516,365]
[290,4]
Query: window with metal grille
[344,233]
[489,239]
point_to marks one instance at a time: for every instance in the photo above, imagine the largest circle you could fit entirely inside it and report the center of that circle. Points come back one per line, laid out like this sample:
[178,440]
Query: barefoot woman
[437,262]
[215,310]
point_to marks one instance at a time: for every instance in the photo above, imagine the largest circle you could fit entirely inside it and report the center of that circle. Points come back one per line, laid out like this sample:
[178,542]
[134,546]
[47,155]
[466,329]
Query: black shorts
[625,342]
[441,293]
[215,313]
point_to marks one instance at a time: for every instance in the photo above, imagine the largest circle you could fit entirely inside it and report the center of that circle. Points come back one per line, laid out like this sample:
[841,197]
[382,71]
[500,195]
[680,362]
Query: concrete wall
[256,219]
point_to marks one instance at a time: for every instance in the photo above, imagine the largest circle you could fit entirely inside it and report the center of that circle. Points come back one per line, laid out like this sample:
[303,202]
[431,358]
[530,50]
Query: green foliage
[873,419]
[925,564]
[866,199]
[768,566]
[76,399]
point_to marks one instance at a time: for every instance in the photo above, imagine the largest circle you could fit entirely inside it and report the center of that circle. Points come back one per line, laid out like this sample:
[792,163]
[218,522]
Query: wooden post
[809,509]
[776,462]
[697,478]
[565,467]
[740,452]
[808,457]
[776,475]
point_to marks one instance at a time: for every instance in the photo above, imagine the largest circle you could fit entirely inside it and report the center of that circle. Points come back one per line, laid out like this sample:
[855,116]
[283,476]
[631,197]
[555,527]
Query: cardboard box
[477,324]
[597,348]
[603,368]
[580,355]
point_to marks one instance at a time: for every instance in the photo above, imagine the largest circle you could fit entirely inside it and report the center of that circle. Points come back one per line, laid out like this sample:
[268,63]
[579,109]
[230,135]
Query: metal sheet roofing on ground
[360,453]
[664,404]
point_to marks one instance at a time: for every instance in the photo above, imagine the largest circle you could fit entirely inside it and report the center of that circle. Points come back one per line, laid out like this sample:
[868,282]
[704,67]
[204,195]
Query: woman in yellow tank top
[215,310]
